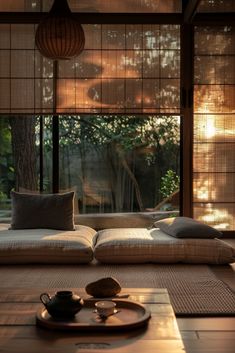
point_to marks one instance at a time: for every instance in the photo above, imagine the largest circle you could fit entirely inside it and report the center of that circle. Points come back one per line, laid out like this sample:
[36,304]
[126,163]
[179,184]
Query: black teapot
[64,305]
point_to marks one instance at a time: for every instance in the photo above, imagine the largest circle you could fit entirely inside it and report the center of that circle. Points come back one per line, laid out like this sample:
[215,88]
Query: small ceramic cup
[105,308]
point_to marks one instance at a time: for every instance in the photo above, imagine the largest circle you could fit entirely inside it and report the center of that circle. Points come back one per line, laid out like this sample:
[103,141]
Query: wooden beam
[217,18]
[190,10]
[96,18]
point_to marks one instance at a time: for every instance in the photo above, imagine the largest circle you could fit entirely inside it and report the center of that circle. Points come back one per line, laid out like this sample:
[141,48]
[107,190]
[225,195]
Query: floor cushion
[140,245]
[46,245]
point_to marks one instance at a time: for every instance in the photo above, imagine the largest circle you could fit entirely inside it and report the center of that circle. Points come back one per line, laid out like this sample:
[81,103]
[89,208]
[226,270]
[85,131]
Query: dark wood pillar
[55,135]
[187,49]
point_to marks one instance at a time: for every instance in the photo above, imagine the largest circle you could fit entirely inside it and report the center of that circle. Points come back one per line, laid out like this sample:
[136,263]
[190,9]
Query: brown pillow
[185,227]
[50,211]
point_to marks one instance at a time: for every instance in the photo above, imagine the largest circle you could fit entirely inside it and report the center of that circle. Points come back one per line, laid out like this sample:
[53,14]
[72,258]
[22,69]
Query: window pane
[20,158]
[120,163]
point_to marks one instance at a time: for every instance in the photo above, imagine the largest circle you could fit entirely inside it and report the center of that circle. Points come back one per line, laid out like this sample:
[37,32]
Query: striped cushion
[46,245]
[139,245]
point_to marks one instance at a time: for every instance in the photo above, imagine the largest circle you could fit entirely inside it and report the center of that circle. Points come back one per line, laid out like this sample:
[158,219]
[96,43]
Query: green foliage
[144,146]
[3,196]
[169,183]
[4,201]
[127,132]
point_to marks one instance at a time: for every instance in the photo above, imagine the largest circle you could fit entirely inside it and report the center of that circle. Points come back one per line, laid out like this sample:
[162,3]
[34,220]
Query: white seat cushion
[46,245]
[140,245]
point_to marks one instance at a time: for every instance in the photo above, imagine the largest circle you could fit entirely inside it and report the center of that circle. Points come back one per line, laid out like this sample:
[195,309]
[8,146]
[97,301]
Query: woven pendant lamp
[59,36]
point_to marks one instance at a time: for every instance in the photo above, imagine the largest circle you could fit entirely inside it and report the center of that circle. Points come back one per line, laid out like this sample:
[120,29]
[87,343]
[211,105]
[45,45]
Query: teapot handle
[45,298]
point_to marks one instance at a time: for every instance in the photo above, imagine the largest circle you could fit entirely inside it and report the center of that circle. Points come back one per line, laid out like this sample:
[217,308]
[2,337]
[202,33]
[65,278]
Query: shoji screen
[101,6]
[214,126]
[123,69]
[26,78]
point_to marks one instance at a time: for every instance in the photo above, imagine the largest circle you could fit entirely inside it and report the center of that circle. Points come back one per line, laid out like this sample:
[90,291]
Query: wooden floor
[207,335]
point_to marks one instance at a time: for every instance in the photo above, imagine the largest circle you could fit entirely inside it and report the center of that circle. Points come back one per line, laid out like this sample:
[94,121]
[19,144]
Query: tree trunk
[132,177]
[24,152]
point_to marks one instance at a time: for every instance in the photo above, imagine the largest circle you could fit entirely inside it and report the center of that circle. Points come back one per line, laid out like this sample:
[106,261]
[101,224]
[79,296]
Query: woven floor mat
[193,289]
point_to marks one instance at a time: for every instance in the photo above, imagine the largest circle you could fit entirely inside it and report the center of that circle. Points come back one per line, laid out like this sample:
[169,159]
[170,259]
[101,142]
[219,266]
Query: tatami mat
[193,289]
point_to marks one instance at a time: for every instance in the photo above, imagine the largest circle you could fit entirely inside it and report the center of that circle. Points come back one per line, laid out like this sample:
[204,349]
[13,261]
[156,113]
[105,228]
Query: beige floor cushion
[139,245]
[46,245]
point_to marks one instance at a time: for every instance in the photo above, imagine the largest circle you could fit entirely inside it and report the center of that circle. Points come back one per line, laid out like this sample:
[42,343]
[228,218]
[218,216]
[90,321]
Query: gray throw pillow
[185,227]
[50,211]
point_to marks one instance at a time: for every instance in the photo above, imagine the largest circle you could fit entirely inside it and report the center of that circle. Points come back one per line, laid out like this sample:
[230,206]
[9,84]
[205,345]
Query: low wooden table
[19,333]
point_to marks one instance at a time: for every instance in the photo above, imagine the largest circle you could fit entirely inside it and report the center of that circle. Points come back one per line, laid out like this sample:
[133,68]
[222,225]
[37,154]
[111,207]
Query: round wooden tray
[129,314]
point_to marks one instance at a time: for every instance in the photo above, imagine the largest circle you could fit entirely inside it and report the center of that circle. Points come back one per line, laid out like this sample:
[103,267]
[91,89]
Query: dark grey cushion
[50,211]
[185,227]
